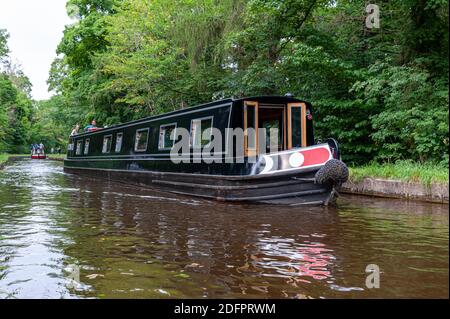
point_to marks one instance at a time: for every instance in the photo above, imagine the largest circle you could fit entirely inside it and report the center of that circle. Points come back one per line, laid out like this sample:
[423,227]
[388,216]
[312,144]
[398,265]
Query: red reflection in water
[314,261]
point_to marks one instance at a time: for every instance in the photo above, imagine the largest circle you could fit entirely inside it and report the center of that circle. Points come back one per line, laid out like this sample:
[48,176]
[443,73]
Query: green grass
[404,171]
[3,158]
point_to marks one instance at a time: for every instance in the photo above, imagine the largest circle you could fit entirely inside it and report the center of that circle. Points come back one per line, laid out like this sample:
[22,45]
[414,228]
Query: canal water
[63,236]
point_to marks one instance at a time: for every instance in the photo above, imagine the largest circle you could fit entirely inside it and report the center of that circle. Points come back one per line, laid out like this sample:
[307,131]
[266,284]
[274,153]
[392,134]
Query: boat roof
[227,101]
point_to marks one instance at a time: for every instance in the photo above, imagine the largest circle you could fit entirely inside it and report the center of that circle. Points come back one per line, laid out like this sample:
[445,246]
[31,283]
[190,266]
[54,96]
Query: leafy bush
[412,119]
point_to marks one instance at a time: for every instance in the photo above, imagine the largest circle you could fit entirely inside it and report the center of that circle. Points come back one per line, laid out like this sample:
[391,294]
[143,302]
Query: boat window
[79,145]
[167,136]
[296,125]
[119,138]
[107,141]
[198,128]
[251,127]
[141,142]
[86,146]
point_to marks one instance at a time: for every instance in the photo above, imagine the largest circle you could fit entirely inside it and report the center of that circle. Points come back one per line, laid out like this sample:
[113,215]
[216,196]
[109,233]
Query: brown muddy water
[65,236]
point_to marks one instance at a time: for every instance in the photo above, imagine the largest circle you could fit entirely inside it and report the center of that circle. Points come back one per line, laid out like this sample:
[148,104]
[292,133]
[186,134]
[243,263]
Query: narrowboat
[255,150]
[38,155]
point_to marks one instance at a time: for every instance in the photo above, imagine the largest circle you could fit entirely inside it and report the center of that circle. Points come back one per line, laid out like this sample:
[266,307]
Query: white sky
[35,28]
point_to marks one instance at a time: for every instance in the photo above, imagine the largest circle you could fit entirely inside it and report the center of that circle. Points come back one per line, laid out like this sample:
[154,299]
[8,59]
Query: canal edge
[11,159]
[378,187]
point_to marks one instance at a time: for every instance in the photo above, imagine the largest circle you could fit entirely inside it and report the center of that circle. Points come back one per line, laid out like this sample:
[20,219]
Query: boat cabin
[153,138]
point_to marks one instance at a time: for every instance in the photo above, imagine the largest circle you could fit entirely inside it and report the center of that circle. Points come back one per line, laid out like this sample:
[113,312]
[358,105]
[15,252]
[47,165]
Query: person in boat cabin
[91,127]
[75,130]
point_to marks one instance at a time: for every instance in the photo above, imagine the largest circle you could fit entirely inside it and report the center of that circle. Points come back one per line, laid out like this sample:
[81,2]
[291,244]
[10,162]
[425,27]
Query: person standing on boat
[41,148]
[91,127]
[75,130]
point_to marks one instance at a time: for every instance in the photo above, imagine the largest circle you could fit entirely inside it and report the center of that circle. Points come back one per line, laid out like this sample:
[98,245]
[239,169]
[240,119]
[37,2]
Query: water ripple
[66,236]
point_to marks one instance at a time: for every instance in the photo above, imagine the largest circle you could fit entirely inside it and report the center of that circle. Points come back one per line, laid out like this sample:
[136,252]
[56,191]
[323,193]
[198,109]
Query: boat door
[296,120]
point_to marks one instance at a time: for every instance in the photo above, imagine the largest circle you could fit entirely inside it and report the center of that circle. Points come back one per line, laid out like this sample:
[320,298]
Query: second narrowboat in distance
[297,171]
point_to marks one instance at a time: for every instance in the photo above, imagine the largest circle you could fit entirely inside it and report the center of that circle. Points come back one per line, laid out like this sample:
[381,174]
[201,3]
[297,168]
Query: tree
[73,72]
[15,103]
[3,44]
[127,59]
[52,122]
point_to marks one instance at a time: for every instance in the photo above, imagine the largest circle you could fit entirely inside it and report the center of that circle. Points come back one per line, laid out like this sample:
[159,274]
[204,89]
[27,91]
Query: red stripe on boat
[315,156]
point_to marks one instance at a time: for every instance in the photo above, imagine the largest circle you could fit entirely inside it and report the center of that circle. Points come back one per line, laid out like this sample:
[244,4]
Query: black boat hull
[280,189]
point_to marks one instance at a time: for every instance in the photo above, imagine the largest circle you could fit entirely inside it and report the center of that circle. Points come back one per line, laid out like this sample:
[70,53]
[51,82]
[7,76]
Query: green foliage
[161,55]
[3,44]
[15,111]
[3,158]
[381,93]
[402,170]
[413,122]
[15,104]
[51,123]
[73,73]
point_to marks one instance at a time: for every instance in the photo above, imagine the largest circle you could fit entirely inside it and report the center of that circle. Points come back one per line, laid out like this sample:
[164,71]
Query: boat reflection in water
[245,254]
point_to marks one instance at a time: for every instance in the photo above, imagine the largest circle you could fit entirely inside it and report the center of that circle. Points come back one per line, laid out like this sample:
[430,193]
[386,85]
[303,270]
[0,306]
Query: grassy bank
[404,171]
[3,158]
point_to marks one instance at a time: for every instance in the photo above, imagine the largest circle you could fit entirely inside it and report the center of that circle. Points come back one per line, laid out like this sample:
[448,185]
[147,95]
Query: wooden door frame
[247,151]
[303,123]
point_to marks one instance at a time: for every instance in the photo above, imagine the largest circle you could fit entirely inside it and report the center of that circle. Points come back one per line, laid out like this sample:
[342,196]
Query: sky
[35,28]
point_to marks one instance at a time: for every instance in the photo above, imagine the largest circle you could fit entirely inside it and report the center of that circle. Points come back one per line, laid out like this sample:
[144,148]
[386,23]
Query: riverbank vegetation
[404,171]
[15,102]
[3,158]
[382,93]
[24,121]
